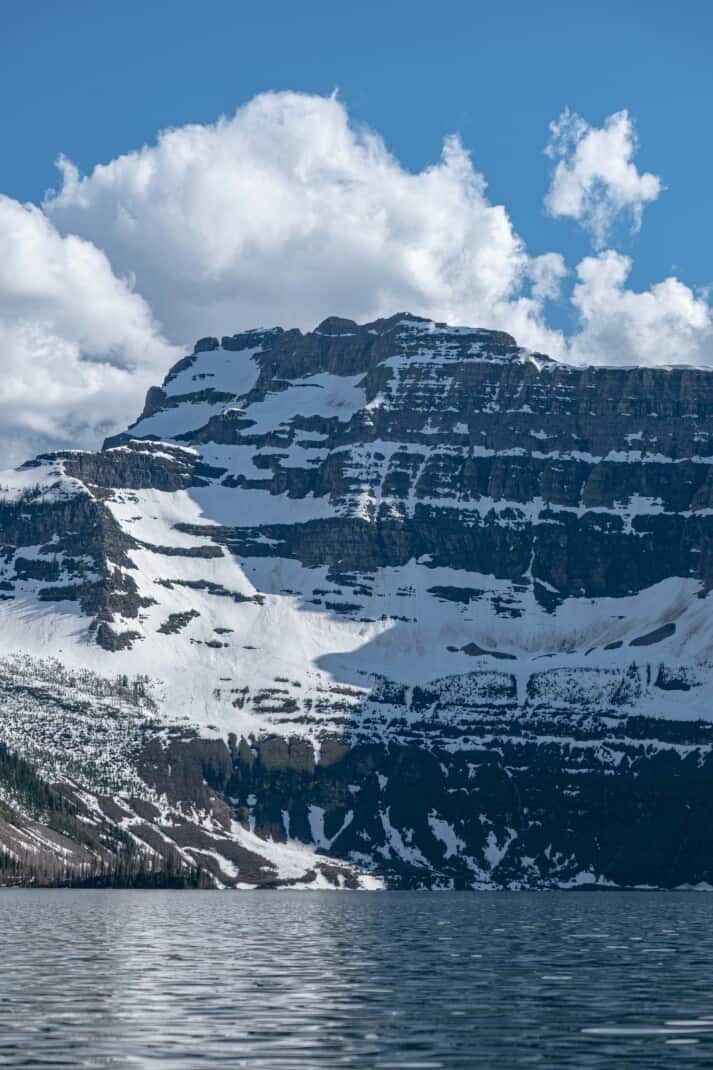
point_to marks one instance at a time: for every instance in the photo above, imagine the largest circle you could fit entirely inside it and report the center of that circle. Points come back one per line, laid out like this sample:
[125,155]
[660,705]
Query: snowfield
[397,534]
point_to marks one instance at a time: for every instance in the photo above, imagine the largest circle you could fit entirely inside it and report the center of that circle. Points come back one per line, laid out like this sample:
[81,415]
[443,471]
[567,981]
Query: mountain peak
[335,325]
[398,553]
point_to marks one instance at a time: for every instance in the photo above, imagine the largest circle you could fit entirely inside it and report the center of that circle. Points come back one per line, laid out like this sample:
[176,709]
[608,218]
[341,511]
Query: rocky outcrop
[503,810]
[437,606]
[95,791]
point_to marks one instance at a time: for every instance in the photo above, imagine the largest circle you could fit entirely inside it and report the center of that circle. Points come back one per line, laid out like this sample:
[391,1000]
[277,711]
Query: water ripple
[408,981]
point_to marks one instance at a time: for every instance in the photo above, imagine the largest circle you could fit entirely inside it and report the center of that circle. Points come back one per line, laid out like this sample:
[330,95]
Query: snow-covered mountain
[433,606]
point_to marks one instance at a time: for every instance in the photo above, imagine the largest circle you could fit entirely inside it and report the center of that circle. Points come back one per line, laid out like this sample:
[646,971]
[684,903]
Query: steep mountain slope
[439,605]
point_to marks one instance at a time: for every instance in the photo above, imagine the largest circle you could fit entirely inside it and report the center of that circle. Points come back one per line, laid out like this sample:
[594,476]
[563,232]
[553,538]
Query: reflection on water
[403,980]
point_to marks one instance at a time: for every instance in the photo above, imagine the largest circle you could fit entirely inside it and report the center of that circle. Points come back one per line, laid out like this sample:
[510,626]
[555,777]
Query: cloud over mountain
[287,212]
[667,324]
[77,346]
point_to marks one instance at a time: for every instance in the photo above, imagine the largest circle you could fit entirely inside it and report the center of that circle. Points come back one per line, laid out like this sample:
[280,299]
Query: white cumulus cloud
[667,324]
[286,212]
[77,347]
[595,181]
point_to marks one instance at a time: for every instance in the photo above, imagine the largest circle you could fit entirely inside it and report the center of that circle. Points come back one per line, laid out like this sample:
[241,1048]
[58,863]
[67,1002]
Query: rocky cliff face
[441,603]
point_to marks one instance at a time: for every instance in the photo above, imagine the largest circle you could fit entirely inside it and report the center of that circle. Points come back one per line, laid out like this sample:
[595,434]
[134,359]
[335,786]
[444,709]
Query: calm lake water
[405,980]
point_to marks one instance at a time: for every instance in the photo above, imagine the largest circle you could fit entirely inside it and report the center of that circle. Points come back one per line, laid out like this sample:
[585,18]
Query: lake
[404,980]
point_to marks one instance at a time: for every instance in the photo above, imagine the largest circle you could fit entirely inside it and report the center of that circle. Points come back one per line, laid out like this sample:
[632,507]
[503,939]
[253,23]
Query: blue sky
[290,210]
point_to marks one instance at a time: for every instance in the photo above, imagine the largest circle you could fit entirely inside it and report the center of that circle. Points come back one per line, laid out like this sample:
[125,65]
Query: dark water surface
[404,980]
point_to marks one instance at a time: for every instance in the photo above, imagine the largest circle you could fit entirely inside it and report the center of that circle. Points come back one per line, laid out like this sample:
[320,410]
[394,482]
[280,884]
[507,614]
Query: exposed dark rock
[456,594]
[205,345]
[664,632]
[155,400]
[517,814]
[421,454]
[36,569]
[108,639]
[673,680]
[175,622]
[474,651]
[211,588]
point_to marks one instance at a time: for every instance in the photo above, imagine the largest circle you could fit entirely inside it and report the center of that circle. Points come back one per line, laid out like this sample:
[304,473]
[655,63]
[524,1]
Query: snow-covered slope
[394,535]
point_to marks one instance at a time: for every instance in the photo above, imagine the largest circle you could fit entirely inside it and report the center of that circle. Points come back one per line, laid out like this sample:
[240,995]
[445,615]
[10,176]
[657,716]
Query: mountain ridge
[421,551]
